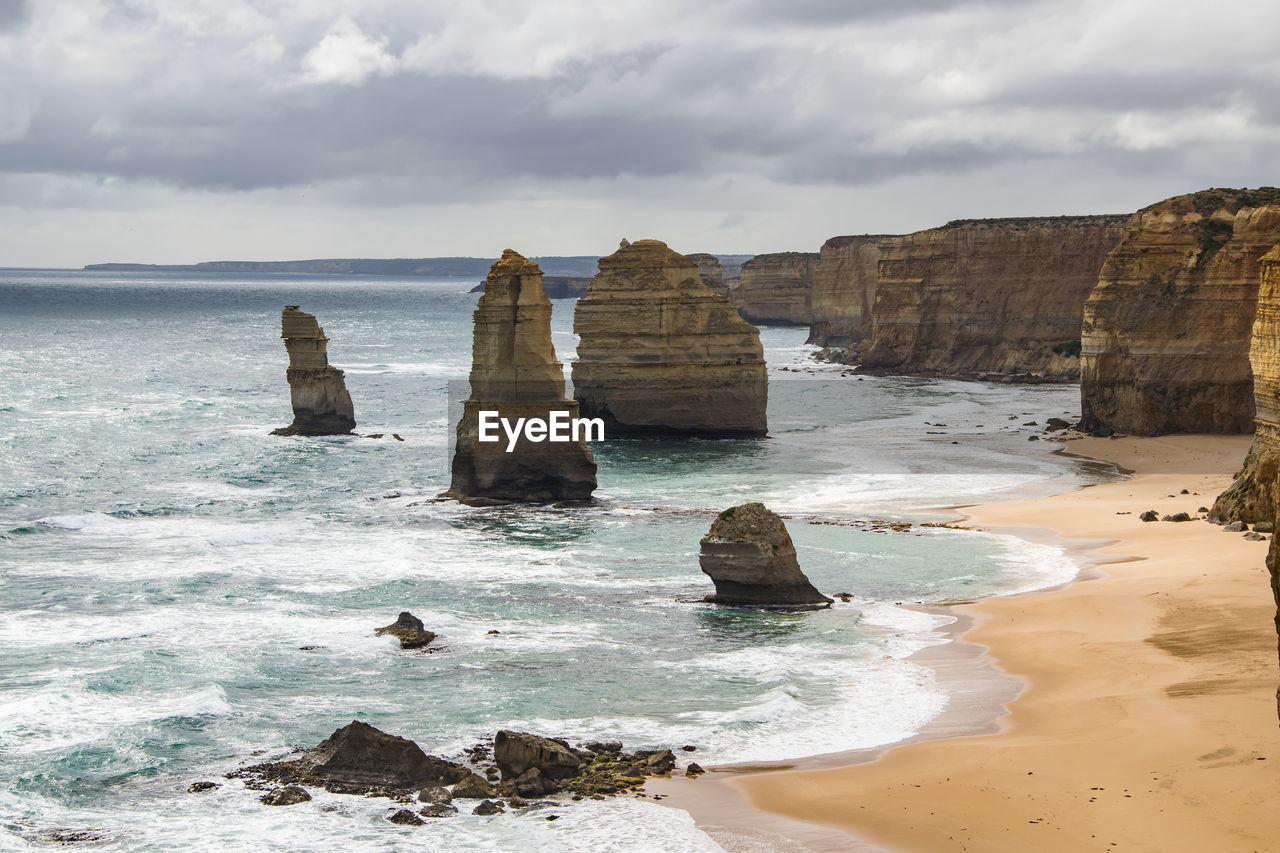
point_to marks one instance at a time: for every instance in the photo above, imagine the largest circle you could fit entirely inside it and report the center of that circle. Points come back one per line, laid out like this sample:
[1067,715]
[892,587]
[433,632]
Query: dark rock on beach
[409,630]
[1177,516]
[1150,515]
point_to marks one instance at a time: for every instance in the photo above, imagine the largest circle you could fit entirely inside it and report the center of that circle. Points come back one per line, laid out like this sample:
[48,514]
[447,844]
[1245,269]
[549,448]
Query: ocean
[183,593]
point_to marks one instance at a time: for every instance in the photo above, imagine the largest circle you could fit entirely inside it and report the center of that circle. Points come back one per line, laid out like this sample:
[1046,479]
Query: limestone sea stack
[749,555]
[1251,498]
[711,271]
[1167,330]
[660,354]
[997,299]
[321,404]
[775,289]
[514,372]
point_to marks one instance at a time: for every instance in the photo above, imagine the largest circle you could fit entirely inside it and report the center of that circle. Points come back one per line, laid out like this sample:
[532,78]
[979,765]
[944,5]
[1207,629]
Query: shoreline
[1131,653]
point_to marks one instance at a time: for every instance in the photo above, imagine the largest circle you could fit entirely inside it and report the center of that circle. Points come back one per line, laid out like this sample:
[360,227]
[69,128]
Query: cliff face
[987,298]
[318,392]
[844,290]
[775,289]
[1251,497]
[1165,343]
[660,354]
[711,271]
[514,372]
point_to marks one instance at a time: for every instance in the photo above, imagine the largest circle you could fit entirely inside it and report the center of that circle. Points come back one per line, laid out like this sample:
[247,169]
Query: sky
[176,131]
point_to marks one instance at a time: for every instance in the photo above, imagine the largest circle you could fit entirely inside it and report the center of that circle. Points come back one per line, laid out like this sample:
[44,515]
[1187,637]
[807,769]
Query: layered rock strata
[711,271]
[844,290]
[1167,330]
[749,555]
[1251,497]
[318,392]
[515,374]
[775,289]
[660,354]
[986,299]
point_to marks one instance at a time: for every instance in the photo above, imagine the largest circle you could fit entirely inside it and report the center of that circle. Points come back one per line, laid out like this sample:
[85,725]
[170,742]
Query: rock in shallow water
[317,391]
[290,795]
[409,630]
[750,557]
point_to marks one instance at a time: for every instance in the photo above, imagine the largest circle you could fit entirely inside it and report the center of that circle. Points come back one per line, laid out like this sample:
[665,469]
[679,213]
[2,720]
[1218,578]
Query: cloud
[346,55]
[394,104]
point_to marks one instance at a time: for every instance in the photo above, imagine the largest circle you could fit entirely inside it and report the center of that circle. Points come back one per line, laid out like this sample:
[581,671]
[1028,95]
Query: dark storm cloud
[13,13]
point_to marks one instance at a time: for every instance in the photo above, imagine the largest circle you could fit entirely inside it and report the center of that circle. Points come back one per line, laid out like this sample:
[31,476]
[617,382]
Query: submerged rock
[663,355]
[409,630]
[290,795]
[318,392]
[514,373]
[749,555]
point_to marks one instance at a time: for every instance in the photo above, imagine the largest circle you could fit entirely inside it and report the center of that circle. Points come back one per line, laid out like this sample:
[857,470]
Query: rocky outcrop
[517,752]
[987,299]
[749,555]
[409,630]
[661,355]
[711,271]
[321,404]
[1167,330]
[775,289]
[1251,497]
[358,758]
[514,372]
[844,290]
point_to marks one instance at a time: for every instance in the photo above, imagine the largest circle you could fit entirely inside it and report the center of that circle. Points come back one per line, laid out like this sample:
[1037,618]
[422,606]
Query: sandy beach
[1147,718]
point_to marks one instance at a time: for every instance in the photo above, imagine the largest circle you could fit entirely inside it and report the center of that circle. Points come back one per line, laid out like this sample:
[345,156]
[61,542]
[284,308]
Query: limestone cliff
[321,404]
[514,372]
[711,271]
[750,557]
[775,289]
[844,290]
[660,354]
[1250,498]
[1165,342]
[989,298]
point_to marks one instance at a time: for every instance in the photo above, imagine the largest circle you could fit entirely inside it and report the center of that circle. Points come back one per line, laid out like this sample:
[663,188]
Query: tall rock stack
[321,404]
[1251,497]
[711,271]
[844,290]
[988,298]
[514,372]
[776,289]
[1167,330]
[661,355]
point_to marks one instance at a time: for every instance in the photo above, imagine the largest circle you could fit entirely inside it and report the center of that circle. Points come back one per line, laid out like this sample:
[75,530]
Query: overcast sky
[170,132]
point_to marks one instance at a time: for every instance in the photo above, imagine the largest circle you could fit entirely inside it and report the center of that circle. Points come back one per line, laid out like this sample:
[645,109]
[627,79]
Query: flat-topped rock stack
[711,271]
[660,354]
[776,288]
[1167,330]
[514,372]
[317,391]
[750,557]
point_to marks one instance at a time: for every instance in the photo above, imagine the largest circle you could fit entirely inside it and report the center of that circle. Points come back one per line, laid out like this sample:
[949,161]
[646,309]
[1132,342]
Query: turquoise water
[163,560]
